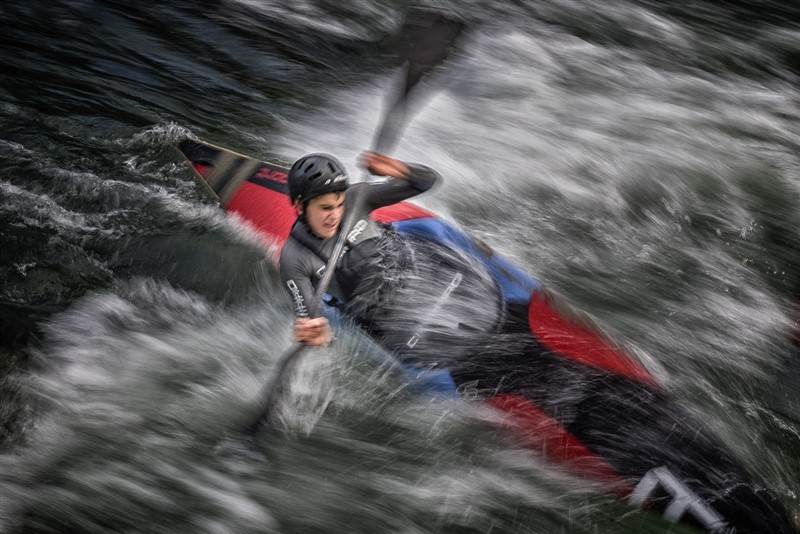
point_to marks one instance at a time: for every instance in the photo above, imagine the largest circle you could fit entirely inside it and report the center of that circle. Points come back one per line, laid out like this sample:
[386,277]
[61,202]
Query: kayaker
[320,192]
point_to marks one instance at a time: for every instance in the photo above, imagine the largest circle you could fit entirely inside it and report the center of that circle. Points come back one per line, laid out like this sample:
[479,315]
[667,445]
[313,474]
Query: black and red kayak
[565,389]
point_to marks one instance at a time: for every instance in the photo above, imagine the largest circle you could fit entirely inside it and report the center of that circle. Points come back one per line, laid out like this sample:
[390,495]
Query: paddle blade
[426,39]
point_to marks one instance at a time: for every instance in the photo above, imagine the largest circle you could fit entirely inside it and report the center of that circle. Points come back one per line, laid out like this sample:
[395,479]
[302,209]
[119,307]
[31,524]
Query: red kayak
[565,389]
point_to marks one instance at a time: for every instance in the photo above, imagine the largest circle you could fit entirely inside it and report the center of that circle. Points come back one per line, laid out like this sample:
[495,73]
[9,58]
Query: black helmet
[315,175]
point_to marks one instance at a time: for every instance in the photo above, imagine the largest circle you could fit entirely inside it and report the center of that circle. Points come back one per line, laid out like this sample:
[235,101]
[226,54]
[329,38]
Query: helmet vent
[314,175]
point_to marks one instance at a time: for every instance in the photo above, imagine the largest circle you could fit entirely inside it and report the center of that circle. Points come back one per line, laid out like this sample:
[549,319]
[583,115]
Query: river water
[641,158]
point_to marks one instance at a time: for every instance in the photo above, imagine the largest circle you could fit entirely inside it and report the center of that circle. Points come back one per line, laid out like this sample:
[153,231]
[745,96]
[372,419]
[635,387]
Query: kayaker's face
[324,214]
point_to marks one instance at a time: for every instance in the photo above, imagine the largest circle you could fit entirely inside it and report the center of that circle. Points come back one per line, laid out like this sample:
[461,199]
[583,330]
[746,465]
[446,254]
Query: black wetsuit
[305,256]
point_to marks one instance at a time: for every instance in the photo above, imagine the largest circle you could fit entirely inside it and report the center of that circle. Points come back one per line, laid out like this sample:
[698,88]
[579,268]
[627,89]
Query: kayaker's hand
[381,165]
[313,332]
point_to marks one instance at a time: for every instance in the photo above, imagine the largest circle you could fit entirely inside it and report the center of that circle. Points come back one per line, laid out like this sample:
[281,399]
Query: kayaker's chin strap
[427,38]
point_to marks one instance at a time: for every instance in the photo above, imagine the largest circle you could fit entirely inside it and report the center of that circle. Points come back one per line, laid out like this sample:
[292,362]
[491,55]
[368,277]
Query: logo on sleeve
[299,303]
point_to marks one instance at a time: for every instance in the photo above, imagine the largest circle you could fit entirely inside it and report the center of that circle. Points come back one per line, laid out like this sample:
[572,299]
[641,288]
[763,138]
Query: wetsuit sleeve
[297,280]
[420,179]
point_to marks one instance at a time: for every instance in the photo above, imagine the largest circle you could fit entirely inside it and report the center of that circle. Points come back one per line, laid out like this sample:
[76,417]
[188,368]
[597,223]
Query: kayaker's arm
[295,274]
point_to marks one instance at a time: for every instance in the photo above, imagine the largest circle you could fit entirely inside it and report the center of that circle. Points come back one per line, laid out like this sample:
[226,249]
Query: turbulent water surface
[640,158]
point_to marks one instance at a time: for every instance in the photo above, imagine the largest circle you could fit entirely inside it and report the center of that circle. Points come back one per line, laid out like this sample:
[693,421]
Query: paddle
[427,37]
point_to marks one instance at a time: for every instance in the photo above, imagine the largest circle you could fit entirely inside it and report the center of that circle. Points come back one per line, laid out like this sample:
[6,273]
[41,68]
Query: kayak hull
[564,389]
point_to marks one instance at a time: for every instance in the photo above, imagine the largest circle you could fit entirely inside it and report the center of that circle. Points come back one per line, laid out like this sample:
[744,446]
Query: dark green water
[642,159]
